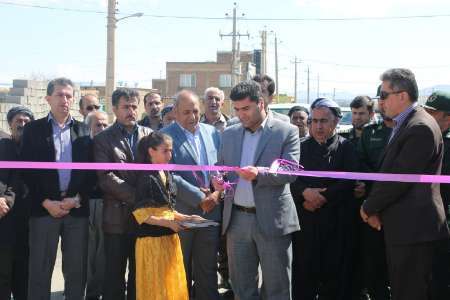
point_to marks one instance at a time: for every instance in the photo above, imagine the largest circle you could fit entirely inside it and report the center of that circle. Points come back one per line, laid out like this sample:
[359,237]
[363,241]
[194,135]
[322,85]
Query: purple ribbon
[279,167]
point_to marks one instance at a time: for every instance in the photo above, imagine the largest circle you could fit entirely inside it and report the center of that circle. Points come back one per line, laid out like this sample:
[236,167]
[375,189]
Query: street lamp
[110,54]
[139,14]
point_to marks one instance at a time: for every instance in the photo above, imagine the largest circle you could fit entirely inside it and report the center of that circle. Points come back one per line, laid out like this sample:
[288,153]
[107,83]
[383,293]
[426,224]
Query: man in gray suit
[196,143]
[268,89]
[260,215]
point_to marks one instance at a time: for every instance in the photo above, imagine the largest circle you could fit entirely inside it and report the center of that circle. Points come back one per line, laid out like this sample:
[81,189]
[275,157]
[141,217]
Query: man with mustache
[59,198]
[213,103]
[153,107]
[322,249]
[118,144]
[13,220]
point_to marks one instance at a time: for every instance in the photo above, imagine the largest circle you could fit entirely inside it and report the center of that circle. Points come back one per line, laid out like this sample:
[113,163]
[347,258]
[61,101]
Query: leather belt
[249,210]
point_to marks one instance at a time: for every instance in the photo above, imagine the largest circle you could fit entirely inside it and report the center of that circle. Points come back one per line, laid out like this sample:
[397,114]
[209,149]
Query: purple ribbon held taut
[279,166]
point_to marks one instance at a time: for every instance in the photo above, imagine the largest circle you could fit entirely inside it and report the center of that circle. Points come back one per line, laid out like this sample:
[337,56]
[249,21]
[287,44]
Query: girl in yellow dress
[160,271]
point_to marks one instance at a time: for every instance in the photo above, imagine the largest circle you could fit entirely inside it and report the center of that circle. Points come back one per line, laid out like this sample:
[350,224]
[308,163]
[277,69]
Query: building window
[225,80]
[188,80]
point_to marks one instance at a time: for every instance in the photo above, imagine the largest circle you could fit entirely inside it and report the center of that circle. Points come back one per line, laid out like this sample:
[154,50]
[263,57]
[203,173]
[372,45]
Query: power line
[9,3]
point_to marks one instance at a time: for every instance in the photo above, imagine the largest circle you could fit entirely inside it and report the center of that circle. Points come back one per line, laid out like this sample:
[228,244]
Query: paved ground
[58,281]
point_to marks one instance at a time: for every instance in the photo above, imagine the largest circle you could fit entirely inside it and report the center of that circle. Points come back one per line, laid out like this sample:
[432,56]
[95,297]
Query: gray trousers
[200,247]
[247,247]
[96,250]
[44,237]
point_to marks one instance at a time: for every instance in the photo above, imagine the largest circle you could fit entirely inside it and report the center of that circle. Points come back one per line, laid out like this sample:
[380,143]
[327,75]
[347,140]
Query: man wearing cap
[13,221]
[438,106]
[411,214]
[167,115]
[17,118]
[322,248]
[371,267]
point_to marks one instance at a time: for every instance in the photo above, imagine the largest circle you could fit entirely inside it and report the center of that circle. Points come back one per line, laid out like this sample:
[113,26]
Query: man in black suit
[7,197]
[59,198]
[412,214]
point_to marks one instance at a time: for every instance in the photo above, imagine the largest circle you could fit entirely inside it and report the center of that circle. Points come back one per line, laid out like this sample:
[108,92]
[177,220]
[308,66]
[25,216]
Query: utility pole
[307,92]
[264,52]
[296,62]
[334,94]
[318,85]
[235,60]
[276,69]
[110,58]
[110,83]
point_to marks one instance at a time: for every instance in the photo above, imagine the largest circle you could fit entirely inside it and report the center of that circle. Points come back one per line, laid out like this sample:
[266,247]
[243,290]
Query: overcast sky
[347,55]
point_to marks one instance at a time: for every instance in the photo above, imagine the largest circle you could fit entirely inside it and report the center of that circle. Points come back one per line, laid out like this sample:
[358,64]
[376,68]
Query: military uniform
[445,188]
[371,273]
[440,101]
[350,134]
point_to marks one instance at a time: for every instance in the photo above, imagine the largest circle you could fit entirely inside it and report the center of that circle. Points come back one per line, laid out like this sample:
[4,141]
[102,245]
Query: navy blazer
[183,154]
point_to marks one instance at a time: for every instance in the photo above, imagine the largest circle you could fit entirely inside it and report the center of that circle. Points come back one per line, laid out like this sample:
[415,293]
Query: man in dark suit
[7,236]
[412,214]
[59,198]
[118,144]
[17,117]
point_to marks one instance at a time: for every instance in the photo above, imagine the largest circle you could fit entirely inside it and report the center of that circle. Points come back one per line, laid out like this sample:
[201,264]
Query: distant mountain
[428,91]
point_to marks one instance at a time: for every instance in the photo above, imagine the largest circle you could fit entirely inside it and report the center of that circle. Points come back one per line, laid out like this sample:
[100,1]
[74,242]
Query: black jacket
[37,145]
[7,181]
[151,192]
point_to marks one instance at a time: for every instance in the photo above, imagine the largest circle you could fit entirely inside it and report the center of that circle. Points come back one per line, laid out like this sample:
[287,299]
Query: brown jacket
[118,186]
[411,212]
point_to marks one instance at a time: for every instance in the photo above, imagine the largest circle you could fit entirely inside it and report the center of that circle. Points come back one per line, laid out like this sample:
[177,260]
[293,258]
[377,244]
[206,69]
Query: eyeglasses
[384,95]
[92,107]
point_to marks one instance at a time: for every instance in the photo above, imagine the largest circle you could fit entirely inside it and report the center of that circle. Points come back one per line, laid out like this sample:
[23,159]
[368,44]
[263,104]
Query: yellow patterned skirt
[160,271]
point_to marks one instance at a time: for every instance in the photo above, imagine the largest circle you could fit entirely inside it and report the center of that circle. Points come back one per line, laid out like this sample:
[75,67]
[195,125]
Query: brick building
[198,76]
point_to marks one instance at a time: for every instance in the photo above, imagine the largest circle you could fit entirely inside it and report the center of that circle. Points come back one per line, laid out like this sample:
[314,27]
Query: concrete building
[30,93]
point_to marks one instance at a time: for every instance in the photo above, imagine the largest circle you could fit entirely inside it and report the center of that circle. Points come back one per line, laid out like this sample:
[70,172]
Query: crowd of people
[138,234]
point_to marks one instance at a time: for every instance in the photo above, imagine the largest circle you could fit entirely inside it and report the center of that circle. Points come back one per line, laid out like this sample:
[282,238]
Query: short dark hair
[153,140]
[244,89]
[296,109]
[61,81]
[80,103]
[123,92]
[148,95]
[269,88]
[402,80]
[362,101]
